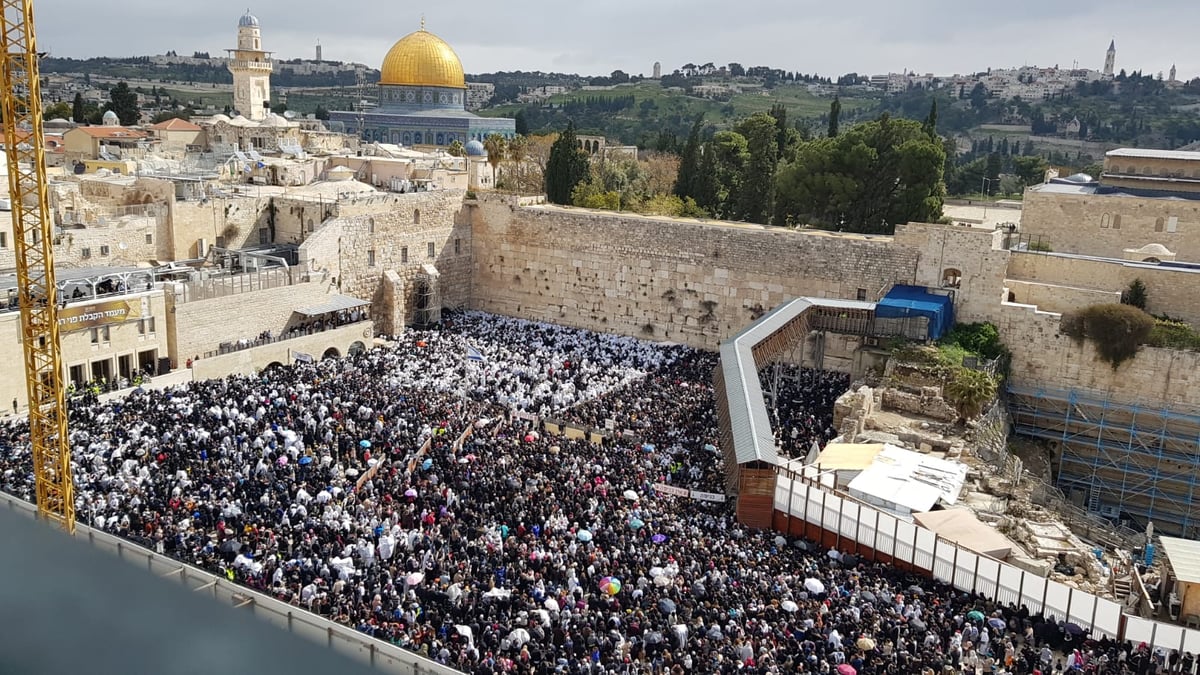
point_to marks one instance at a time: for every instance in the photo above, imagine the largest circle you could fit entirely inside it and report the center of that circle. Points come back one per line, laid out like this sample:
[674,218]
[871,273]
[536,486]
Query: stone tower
[1172,75]
[657,70]
[251,68]
[318,51]
[1110,59]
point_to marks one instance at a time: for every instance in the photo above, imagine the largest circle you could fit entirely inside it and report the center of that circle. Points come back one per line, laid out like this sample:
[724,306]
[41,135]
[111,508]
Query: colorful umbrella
[414,578]
[410,492]
[636,524]
[975,615]
[364,443]
[658,538]
[584,536]
[846,669]
[610,585]
[425,466]
[305,460]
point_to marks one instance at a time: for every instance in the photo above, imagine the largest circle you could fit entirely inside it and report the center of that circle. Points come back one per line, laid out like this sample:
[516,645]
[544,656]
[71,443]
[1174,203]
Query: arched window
[1159,223]
[951,278]
[1106,220]
[1116,222]
[416,216]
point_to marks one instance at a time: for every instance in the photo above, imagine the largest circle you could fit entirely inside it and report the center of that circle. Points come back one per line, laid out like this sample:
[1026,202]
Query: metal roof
[1148,153]
[753,438]
[335,303]
[1184,555]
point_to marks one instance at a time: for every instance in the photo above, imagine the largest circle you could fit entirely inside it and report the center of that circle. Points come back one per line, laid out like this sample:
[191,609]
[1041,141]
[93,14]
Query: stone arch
[418,139]
[273,365]
[951,277]
[395,136]
[356,347]
[416,216]
[1151,259]
[408,138]
[441,139]
[331,353]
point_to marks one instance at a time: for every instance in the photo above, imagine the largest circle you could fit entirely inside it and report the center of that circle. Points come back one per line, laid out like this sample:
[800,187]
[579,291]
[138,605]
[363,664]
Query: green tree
[707,186]
[495,146]
[756,198]
[566,167]
[868,179]
[689,163]
[456,149]
[1031,170]
[1135,295]
[321,113]
[835,111]
[730,153]
[969,391]
[60,110]
[930,125]
[123,101]
[77,110]
[522,123]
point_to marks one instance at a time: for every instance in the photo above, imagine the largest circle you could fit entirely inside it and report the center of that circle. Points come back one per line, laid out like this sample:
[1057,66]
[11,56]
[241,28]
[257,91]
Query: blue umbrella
[648,447]
[364,443]
[584,536]
[658,538]
[635,523]
[305,460]
[426,464]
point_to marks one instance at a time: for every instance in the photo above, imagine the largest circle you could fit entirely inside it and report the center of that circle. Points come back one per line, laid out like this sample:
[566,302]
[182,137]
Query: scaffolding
[1122,460]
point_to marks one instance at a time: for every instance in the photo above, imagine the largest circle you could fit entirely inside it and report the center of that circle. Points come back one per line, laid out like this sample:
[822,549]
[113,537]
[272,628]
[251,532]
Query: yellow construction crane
[33,243]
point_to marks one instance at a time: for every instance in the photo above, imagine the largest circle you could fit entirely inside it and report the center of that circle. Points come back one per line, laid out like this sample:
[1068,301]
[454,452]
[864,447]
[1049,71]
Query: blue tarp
[909,301]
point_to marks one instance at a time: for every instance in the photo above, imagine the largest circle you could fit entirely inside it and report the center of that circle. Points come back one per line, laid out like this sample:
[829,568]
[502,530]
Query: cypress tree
[835,111]
[566,167]
[930,125]
[77,113]
[689,164]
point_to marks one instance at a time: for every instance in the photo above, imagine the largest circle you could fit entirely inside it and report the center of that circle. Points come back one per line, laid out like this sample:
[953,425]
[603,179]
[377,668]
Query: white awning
[335,303]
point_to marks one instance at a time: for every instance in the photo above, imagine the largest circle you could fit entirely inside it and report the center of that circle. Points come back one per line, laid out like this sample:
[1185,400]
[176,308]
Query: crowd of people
[800,402]
[395,491]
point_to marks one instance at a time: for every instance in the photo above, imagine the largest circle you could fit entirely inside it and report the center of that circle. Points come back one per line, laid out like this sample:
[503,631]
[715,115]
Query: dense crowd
[800,402]
[499,549]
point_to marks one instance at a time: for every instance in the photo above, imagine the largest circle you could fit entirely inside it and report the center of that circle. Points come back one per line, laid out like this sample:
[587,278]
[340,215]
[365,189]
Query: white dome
[248,19]
[1154,249]
[110,119]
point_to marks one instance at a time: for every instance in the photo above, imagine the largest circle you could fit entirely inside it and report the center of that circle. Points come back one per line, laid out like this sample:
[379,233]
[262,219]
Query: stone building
[251,69]
[422,99]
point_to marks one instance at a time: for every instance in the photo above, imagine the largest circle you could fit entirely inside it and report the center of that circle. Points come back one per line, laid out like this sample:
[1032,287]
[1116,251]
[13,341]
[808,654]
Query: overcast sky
[830,38]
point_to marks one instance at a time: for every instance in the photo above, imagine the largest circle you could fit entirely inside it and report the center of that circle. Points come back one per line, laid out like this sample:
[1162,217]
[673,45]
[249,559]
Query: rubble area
[907,409]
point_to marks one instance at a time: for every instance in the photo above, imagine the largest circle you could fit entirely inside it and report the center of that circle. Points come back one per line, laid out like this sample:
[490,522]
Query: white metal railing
[378,654]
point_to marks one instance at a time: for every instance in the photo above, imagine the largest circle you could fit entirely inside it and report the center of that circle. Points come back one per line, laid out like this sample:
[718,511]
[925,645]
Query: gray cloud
[869,36]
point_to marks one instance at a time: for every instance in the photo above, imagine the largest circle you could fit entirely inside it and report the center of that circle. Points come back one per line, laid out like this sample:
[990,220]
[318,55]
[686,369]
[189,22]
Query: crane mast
[33,243]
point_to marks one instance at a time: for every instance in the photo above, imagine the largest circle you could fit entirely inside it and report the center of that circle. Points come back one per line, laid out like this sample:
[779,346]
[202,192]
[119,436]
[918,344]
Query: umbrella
[789,606]
[282,460]
[364,443]
[666,606]
[865,643]
[517,638]
[709,447]
[410,492]
[975,615]
[635,524]
[414,578]
[662,581]
[653,637]
[498,593]
[814,585]
[780,540]
[630,495]
[997,623]
[916,590]
[305,460]
[846,669]
[551,604]
[648,447]
[849,561]
[425,466]
[1075,629]
[657,571]
[869,596]
[529,438]
[584,536]
[917,624]
[658,538]
[610,585]
[463,460]
[231,546]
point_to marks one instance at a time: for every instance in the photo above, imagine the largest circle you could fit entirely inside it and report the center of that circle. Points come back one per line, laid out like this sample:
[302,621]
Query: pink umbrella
[846,669]
[410,492]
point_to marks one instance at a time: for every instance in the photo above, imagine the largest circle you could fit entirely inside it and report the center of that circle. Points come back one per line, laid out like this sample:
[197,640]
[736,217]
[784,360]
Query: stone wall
[1056,297]
[1169,290]
[667,279]
[1085,223]
[250,361]
[973,257]
[202,325]
[376,236]
[235,220]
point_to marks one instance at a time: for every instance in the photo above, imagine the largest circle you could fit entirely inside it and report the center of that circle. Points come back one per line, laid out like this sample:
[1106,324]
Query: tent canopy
[909,301]
[335,303]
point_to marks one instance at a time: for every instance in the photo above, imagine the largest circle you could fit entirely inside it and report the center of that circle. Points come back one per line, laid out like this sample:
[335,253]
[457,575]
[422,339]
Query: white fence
[380,655]
[857,528]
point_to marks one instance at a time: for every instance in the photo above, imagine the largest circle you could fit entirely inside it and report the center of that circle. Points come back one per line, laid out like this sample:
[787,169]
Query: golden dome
[422,59]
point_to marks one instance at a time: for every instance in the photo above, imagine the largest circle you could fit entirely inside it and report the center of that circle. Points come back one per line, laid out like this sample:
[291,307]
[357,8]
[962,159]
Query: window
[104,250]
[100,335]
[371,258]
[861,295]
[85,252]
[371,225]
[457,246]
[1158,224]
[1105,220]
[429,250]
[220,242]
[146,326]
[951,278]
[3,240]
[416,216]
[95,336]
[149,238]
[403,254]
[1116,222]
[1172,223]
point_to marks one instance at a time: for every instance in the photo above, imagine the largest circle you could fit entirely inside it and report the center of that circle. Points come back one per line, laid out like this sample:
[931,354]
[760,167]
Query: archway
[1151,260]
[951,278]
[356,348]
[331,353]
[273,365]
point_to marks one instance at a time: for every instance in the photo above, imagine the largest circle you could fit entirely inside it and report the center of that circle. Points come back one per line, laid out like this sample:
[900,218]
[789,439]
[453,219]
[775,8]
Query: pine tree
[522,123]
[930,125]
[835,111]
[566,167]
[689,163]
[124,103]
[77,113]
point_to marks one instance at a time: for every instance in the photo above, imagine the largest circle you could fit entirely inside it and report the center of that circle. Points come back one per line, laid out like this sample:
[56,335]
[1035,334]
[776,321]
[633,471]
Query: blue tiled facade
[422,116]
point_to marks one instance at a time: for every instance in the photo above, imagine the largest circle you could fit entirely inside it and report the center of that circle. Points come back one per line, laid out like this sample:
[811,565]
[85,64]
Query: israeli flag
[474,354]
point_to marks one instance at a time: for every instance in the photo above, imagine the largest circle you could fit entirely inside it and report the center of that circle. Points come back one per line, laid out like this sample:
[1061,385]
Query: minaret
[251,68]
[1110,59]
[318,51]
[1172,77]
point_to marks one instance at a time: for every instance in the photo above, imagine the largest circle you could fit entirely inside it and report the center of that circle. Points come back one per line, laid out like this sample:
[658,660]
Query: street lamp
[983,186]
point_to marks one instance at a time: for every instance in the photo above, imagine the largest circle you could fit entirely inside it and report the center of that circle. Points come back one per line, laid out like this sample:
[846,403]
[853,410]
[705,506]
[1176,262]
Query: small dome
[475,149]
[1080,178]
[1154,249]
[248,20]
[274,120]
[220,117]
[110,119]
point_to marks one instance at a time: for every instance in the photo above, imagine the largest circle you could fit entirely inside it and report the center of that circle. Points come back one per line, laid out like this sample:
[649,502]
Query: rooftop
[1149,153]
[1184,556]
[175,124]
[111,132]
